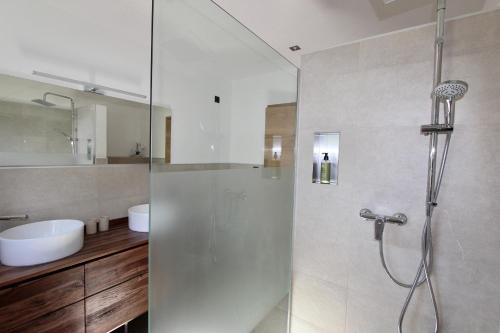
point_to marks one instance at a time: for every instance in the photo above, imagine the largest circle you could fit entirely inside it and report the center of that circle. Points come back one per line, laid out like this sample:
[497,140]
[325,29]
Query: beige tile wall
[72,192]
[376,93]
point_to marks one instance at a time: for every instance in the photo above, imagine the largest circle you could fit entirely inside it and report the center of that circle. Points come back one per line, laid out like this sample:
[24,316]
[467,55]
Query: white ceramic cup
[91,226]
[104,223]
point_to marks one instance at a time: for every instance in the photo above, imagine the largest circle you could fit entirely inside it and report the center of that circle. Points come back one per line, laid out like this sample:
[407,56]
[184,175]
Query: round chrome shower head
[450,90]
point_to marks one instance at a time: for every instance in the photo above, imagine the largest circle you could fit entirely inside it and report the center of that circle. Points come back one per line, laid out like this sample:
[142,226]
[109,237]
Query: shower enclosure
[222,174]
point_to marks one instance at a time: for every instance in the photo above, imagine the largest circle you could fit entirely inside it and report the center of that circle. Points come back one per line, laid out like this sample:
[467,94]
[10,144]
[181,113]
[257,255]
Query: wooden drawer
[28,301]
[110,271]
[116,306]
[68,319]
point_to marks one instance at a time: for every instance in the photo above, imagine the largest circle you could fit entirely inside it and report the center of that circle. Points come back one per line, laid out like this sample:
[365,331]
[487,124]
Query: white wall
[229,132]
[99,41]
[197,136]
[376,94]
[250,97]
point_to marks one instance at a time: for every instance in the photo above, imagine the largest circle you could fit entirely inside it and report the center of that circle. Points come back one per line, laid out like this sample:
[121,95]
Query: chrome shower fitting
[452,90]
[380,220]
[446,92]
[14,217]
[73,139]
[437,128]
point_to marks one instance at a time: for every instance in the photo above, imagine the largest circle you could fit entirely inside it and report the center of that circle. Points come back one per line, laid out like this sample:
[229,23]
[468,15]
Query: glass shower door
[222,174]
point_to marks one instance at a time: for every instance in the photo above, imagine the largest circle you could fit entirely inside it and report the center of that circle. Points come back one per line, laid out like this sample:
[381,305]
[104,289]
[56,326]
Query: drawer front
[68,319]
[116,306]
[113,270]
[31,300]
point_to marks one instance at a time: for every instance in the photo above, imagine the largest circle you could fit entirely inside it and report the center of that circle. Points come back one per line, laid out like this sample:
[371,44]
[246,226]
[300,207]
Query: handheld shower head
[450,90]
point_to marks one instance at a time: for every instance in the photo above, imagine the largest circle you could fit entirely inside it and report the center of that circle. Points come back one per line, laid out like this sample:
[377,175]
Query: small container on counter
[91,226]
[104,223]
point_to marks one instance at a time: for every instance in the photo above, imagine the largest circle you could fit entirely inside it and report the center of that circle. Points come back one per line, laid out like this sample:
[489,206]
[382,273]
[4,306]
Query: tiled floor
[275,322]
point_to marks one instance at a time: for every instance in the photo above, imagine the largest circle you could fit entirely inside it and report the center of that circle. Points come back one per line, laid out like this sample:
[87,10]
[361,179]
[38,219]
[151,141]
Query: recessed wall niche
[326,158]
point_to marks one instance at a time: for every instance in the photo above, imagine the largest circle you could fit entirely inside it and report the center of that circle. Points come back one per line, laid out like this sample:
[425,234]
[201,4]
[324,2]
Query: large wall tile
[376,93]
[301,326]
[319,302]
[72,192]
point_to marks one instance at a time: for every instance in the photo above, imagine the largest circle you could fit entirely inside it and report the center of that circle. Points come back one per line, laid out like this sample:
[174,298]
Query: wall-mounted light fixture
[88,86]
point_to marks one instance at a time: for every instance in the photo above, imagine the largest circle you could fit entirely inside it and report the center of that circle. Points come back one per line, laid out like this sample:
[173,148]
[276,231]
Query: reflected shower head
[43,102]
[450,90]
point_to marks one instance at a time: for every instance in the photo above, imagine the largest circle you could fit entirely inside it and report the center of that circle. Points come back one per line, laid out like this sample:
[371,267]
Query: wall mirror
[46,124]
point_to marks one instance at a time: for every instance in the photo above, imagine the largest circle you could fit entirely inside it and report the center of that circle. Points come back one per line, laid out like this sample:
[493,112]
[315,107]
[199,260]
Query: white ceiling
[107,41]
[320,24]
[196,38]
[101,41]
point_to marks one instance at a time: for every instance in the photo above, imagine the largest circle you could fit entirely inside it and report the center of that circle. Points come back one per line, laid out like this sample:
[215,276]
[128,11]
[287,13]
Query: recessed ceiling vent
[295,48]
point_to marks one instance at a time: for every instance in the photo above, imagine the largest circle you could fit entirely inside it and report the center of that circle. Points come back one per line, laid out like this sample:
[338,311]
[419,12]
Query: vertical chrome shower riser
[447,93]
[431,172]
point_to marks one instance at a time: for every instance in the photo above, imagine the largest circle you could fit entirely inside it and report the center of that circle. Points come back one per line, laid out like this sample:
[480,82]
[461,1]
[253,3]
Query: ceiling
[320,24]
[101,41]
[195,38]
[108,41]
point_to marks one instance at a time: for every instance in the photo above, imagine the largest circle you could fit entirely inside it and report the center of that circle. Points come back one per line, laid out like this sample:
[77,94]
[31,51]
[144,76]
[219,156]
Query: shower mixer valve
[380,220]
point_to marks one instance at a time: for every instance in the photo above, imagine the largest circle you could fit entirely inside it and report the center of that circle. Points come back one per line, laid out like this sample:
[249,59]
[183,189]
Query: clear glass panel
[222,174]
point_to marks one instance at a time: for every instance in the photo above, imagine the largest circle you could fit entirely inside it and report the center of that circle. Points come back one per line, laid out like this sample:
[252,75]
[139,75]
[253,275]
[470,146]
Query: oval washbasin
[138,218]
[40,242]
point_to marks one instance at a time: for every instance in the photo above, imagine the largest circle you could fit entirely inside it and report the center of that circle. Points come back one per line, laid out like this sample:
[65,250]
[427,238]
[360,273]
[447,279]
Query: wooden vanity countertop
[117,239]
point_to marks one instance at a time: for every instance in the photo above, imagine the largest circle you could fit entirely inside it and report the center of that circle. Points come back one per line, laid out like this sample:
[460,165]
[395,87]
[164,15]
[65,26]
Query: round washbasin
[138,218]
[40,242]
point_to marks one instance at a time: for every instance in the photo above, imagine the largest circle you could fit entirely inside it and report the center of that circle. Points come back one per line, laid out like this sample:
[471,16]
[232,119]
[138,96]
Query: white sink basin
[40,242]
[138,218]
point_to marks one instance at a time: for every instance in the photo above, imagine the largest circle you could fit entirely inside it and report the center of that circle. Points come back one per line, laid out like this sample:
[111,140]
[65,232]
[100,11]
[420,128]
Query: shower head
[450,90]
[43,102]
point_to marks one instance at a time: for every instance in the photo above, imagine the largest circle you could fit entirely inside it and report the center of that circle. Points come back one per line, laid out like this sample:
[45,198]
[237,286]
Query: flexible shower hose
[424,267]
[393,278]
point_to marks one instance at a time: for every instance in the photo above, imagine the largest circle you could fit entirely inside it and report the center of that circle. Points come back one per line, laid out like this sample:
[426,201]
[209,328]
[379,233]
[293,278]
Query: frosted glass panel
[220,248]
[222,175]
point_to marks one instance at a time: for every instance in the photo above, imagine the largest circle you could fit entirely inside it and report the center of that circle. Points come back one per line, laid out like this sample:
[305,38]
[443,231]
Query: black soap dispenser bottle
[325,170]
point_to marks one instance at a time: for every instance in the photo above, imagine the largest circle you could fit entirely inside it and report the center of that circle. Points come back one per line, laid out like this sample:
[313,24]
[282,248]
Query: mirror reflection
[46,124]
